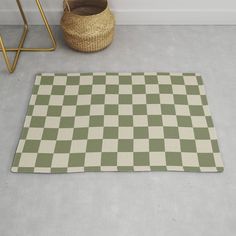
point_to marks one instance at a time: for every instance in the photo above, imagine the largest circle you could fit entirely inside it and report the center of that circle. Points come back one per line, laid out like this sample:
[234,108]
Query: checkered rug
[118,122]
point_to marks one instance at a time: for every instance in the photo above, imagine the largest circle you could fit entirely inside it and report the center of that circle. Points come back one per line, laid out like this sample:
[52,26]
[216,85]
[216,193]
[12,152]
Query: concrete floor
[120,204]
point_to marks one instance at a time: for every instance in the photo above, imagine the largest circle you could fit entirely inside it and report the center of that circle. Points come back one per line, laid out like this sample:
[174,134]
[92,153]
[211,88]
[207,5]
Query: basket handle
[67,6]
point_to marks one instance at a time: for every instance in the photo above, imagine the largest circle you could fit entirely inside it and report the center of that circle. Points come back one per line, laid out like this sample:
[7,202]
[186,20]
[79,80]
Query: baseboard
[136,17]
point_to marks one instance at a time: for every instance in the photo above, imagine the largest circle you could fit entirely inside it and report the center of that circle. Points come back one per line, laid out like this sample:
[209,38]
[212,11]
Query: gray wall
[137,11]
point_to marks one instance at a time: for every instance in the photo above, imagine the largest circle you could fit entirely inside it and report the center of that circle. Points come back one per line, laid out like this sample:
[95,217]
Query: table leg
[20,47]
[11,68]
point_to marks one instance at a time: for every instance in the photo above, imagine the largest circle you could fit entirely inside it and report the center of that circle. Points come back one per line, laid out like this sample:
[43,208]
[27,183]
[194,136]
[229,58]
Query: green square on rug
[118,122]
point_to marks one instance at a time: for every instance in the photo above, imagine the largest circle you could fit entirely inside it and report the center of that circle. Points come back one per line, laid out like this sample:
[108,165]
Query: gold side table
[11,67]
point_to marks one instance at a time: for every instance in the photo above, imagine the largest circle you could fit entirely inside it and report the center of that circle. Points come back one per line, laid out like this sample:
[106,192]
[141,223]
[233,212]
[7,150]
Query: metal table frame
[11,67]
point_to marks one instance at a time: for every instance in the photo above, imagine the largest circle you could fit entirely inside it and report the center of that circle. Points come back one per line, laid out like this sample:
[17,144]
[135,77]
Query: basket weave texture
[88,26]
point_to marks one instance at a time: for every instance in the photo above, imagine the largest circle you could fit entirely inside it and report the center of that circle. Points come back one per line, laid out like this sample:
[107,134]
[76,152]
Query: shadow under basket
[87,25]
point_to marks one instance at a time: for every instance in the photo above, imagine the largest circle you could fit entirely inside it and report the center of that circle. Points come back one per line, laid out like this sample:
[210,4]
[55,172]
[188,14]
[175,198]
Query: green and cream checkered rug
[118,122]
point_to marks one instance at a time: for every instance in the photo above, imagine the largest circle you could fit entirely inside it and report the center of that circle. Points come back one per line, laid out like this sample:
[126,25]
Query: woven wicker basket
[88,25]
